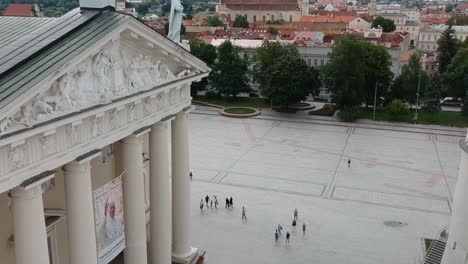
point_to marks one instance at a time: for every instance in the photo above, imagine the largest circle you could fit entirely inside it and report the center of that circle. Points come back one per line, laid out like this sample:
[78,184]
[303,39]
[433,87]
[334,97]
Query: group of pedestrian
[209,202]
[279,229]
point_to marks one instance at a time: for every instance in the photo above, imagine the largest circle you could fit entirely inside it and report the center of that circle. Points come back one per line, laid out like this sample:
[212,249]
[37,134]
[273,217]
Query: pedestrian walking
[294,223]
[191,175]
[349,163]
[296,214]
[303,228]
[230,203]
[279,228]
[287,237]
[207,199]
[276,236]
[227,202]
[201,205]
[211,203]
[215,201]
[244,217]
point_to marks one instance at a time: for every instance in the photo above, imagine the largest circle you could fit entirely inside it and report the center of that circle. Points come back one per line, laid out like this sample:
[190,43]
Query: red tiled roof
[24,10]
[328,19]
[462,6]
[337,13]
[289,5]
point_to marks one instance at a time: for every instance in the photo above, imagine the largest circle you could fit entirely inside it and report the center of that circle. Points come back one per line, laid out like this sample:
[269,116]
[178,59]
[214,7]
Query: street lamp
[375,100]
[417,97]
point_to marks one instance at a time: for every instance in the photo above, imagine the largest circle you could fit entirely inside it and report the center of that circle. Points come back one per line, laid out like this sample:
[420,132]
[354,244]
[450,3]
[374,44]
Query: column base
[191,259]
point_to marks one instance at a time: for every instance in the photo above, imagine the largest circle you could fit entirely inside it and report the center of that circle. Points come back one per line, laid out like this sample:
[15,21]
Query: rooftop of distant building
[21,10]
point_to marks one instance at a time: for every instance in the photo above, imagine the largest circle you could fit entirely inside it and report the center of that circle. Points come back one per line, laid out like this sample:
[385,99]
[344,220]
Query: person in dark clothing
[287,237]
[227,202]
[201,205]
[294,223]
[207,199]
[276,236]
[244,217]
[349,163]
[191,175]
[230,203]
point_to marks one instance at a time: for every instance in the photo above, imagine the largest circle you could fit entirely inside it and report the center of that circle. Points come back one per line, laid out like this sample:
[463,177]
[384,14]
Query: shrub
[349,114]
[326,110]
[397,107]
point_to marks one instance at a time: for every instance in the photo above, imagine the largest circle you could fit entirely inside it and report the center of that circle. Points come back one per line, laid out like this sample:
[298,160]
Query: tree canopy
[448,46]
[206,53]
[283,76]
[458,20]
[412,74]
[230,71]
[387,25]
[241,22]
[456,76]
[354,69]
[214,21]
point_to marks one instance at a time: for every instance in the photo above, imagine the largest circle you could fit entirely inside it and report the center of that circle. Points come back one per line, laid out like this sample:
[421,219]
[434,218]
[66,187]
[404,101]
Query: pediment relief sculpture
[96,80]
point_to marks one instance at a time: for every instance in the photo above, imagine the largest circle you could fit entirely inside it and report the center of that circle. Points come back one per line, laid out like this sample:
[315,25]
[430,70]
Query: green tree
[283,76]
[230,71]
[265,56]
[143,8]
[377,71]
[396,90]
[387,25]
[449,8]
[431,100]
[448,46]
[241,22]
[214,21]
[206,53]
[412,74]
[456,76]
[458,20]
[354,69]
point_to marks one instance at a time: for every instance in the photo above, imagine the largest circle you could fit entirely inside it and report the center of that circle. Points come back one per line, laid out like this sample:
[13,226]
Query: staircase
[435,252]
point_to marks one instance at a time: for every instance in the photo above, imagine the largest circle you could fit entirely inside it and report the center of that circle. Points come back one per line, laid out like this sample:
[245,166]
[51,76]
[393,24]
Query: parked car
[451,101]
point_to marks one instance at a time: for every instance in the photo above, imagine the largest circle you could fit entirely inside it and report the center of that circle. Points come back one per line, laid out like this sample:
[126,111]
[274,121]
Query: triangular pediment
[127,60]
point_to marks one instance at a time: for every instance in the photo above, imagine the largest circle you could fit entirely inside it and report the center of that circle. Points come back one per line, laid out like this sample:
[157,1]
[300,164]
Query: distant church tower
[372,8]
[304,6]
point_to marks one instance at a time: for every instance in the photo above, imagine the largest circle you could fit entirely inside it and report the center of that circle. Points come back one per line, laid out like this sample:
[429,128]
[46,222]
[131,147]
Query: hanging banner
[109,217]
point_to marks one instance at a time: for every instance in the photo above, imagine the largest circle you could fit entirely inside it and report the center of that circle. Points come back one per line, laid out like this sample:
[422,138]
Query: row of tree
[279,71]
[356,71]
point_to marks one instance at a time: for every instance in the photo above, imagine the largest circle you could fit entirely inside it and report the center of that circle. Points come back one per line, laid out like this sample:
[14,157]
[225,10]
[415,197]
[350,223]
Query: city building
[94,140]
[265,10]
[428,36]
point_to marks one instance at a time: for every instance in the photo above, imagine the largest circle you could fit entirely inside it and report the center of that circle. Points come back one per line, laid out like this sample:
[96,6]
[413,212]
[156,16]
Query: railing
[438,235]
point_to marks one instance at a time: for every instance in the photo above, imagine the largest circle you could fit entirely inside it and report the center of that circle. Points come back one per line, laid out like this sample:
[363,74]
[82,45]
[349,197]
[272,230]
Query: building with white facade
[94,141]
[428,36]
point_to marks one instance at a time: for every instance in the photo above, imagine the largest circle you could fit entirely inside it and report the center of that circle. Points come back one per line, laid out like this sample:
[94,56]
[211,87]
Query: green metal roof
[68,37]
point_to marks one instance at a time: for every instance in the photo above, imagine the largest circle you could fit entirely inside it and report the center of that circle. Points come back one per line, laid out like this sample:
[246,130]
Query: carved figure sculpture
[175,21]
[103,80]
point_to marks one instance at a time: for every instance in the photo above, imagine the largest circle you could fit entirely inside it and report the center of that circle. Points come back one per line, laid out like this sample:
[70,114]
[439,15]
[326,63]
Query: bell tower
[372,8]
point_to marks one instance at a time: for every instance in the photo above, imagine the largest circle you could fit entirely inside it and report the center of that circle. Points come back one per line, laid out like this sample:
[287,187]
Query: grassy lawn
[440,118]
[254,102]
[427,243]
[239,111]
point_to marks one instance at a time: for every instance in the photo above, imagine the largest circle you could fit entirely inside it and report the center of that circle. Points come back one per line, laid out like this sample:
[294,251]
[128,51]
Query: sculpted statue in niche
[131,113]
[116,69]
[17,157]
[114,119]
[147,107]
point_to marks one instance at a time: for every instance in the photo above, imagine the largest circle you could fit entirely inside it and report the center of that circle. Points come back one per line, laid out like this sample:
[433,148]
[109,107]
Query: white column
[134,201]
[160,194]
[181,247]
[29,226]
[457,244]
[80,213]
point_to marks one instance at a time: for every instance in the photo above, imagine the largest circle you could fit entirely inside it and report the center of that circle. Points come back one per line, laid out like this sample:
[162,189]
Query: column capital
[76,166]
[23,193]
[132,139]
